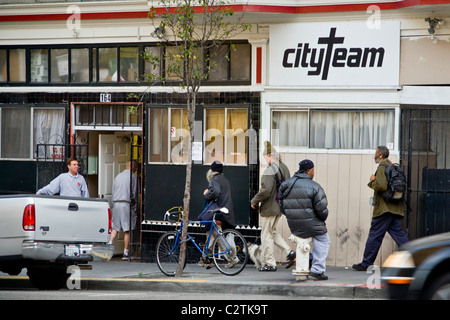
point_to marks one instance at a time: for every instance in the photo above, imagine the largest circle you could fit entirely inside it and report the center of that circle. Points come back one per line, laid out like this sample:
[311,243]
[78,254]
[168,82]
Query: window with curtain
[168,135]
[333,129]
[226,135]
[15,132]
[48,128]
[290,128]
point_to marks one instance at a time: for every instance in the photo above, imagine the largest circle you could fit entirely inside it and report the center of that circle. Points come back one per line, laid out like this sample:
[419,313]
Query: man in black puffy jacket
[305,206]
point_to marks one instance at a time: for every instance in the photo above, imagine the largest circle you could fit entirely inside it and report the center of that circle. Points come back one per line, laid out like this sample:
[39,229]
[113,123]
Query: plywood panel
[344,178]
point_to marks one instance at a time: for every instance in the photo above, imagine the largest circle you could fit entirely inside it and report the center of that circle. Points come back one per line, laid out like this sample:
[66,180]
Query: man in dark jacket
[219,190]
[387,216]
[305,206]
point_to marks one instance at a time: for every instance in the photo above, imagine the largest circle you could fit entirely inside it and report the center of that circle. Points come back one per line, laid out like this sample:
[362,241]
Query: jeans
[320,253]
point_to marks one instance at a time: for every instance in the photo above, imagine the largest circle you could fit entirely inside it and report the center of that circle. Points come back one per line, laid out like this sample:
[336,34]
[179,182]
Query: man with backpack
[270,210]
[387,211]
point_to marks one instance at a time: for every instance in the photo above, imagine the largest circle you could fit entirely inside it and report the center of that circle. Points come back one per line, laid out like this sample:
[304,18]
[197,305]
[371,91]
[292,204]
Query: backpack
[396,182]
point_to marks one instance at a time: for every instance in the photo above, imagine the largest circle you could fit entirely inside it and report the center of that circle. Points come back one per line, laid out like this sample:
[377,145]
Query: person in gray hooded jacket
[305,205]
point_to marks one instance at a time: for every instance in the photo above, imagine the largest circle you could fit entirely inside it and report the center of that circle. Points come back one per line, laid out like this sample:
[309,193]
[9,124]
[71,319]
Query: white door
[112,159]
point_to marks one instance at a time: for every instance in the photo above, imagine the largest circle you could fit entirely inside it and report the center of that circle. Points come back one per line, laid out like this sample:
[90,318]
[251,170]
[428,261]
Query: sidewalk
[343,283]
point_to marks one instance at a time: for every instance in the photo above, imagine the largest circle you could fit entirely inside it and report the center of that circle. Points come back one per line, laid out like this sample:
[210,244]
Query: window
[240,62]
[17,69]
[23,128]
[153,67]
[15,132]
[169,135]
[333,129]
[3,66]
[226,135]
[290,128]
[59,60]
[129,62]
[39,65]
[230,62]
[79,65]
[106,114]
[107,64]
[48,128]
[119,64]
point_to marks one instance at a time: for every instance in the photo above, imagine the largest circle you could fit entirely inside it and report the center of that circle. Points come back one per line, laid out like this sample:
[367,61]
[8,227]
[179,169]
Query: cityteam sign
[336,54]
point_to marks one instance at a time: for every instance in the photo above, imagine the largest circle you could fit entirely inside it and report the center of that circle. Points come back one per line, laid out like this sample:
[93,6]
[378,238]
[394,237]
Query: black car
[420,269]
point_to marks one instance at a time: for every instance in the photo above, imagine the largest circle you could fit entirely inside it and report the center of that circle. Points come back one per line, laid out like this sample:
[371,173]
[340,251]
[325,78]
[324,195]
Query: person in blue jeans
[387,215]
[305,207]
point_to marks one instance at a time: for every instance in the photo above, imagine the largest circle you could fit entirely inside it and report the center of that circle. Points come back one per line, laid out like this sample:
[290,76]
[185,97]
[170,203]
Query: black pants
[388,222]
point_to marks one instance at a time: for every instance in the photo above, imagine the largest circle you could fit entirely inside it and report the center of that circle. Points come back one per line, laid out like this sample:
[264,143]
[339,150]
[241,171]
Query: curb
[247,288]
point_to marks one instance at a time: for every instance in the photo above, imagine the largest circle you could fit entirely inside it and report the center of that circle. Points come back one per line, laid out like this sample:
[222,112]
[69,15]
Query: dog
[256,254]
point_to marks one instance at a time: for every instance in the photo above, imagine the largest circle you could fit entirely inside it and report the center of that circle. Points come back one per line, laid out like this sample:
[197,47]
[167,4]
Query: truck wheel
[48,277]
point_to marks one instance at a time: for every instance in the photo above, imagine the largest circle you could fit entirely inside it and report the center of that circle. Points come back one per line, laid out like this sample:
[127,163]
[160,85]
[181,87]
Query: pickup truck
[47,234]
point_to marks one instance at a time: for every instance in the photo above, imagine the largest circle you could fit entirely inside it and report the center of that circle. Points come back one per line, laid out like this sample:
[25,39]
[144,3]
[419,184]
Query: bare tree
[190,31]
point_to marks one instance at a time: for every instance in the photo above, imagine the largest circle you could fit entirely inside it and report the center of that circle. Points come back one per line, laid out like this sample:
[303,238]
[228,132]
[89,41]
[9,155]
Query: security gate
[51,161]
[426,136]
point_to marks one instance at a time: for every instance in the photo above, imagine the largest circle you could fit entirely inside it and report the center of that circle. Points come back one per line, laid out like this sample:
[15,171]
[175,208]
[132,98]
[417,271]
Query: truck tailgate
[66,219]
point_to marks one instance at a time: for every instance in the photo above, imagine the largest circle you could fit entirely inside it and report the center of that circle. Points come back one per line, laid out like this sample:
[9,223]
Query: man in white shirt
[124,197]
[69,184]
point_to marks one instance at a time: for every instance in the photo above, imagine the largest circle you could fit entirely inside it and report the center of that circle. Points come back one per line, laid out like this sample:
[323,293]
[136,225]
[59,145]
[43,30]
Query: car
[420,270]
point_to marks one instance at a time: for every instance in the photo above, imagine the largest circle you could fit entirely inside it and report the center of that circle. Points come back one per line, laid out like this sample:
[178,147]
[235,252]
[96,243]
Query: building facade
[329,82]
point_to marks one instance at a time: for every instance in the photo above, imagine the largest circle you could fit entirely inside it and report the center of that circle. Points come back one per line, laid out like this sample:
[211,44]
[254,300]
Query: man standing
[69,184]
[305,206]
[124,199]
[387,215]
[270,210]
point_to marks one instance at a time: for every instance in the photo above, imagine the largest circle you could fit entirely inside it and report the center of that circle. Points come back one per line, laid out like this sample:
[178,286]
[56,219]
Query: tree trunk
[187,188]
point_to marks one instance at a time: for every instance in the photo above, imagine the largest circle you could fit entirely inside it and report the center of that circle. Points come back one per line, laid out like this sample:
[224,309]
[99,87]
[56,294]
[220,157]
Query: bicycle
[229,248]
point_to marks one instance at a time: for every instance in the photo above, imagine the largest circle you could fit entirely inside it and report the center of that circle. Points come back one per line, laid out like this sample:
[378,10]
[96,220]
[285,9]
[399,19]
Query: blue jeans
[388,222]
[320,253]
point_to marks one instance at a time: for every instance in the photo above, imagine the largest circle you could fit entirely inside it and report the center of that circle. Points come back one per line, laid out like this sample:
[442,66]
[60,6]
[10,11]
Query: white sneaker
[231,264]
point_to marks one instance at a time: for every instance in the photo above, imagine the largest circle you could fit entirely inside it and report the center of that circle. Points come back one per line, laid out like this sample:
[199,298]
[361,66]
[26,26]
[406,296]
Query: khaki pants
[270,237]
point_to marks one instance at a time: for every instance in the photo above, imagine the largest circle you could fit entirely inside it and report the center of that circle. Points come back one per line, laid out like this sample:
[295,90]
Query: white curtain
[48,128]
[351,129]
[290,128]
[330,129]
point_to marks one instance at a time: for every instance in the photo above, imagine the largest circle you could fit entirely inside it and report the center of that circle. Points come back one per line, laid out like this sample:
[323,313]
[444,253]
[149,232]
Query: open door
[114,152]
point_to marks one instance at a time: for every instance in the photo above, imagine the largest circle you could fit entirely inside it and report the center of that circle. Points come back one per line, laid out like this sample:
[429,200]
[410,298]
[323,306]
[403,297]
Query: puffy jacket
[267,193]
[305,205]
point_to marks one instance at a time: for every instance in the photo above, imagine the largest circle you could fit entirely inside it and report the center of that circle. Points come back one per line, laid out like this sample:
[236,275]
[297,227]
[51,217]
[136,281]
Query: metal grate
[425,154]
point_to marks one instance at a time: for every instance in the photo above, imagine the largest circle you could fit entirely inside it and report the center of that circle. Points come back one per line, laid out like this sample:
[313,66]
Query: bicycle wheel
[230,253]
[168,253]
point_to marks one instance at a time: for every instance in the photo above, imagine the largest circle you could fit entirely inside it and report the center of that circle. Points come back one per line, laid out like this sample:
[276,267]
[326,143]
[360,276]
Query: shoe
[359,267]
[318,276]
[205,263]
[290,259]
[267,268]
[125,257]
[231,264]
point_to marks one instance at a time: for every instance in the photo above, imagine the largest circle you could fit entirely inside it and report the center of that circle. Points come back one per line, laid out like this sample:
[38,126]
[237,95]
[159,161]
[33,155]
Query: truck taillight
[29,219]
[109,221]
